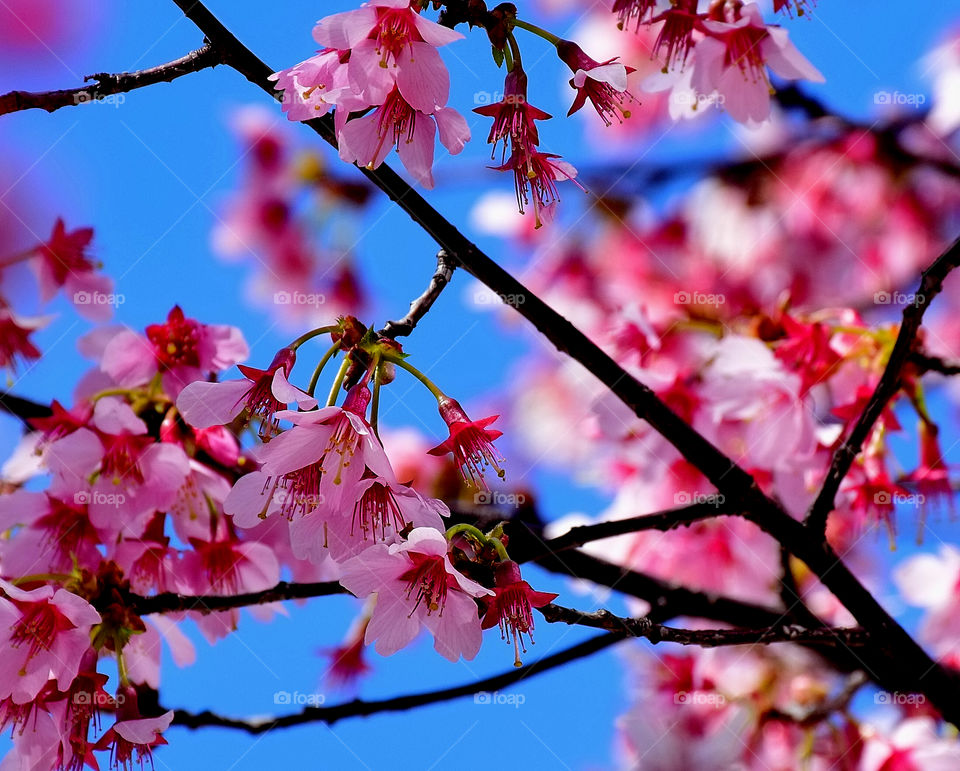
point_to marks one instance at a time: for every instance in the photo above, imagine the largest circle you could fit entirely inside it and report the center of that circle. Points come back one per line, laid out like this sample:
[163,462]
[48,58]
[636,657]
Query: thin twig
[355,708]
[171,602]
[109,85]
[419,307]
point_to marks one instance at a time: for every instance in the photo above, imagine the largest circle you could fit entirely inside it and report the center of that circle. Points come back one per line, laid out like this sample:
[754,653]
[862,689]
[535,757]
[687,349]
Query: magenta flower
[603,83]
[310,88]
[15,343]
[512,607]
[416,585]
[396,123]
[304,468]
[263,393]
[536,175]
[62,262]
[182,349]
[132,737]
[470,441]
[48,633]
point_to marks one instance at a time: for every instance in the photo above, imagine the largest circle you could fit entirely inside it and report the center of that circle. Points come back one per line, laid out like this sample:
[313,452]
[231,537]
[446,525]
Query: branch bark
[706,638]
[109,85]
[419,307]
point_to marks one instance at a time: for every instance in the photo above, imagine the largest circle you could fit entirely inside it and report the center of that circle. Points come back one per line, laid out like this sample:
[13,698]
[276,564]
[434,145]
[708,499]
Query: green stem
[341,374]
[508,58]
[310,335]
[40,577]
[497,544]
[323,363]
[419,376]
[375,401]
[514,48]
[467,529]
[539,31]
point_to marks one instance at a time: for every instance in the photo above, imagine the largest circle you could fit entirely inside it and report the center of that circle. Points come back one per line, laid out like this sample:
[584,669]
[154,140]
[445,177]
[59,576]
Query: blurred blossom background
[172,179]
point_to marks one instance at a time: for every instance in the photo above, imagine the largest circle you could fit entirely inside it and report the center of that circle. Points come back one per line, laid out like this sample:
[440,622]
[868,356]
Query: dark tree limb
[108,85]
[170,602]
[931,283]
[664,521]
[419,307]
[356,708]
[22,408]
[926,363]
[705,638]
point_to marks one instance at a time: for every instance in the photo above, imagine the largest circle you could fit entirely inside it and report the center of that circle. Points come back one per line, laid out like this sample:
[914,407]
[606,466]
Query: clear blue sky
[149,175]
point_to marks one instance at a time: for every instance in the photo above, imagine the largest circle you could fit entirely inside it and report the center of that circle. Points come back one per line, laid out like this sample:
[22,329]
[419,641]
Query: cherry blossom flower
[512,606]
[416,585]
[183,350]
[15,344]
[732,60]
[470,441]
[48,634]
[603,83]
[396,123]
[930,581]
[264,393]
[132,737]
[62,262]
[311,87]
[914,744]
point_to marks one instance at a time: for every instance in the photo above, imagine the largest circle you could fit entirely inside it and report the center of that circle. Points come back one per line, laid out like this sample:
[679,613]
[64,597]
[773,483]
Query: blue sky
[151,175]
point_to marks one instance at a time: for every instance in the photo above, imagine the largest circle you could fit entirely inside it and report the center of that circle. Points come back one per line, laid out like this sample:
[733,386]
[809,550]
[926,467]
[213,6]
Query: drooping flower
[639,10]
[603,83]
[512,606]
[536,175]
[15,344]
[132,737]
[396,123]
[470,441]
[264,393]
[416,585]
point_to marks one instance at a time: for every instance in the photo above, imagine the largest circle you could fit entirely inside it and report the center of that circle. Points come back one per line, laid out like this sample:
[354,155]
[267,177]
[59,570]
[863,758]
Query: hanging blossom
[512,606]
[417,586]
[383,55]
[536,174]
[470,442]
[722,57]
[603,83]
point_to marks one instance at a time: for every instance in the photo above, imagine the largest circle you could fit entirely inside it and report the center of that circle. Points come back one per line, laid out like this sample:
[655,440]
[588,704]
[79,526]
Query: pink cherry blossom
[49,632]
[416,585]
[263,393]
[603,83]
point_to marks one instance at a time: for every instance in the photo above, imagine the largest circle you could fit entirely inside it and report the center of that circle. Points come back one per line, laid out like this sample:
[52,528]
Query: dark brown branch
[25,409]
[926,363]
[705,638]
[931,283]
[356,708]
[170,602]
[109,85]
[663,521]
[419,307]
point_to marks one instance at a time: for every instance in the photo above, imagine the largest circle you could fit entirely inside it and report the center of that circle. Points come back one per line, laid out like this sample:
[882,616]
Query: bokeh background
[152,174]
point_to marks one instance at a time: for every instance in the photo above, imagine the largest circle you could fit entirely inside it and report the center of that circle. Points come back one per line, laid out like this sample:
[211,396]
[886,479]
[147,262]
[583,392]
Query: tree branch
[419,307]
[108,85]
[25,409]
[926,363]
[355,708]
[664,521]
[705,638]
[170,602]
[931,283]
